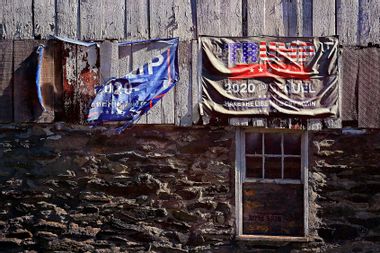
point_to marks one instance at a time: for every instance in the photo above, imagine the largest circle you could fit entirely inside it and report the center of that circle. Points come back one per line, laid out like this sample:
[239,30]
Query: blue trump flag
[127,98]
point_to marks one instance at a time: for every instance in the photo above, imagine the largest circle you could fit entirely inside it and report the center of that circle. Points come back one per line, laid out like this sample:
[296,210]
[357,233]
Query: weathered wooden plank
[125,59]
[71,108]
[238,121]
[16,19]
[140,55]
[369,24]
[137,19]
[113,26]
[58,82]
[102,19]
[276,17]
[299,15]
[347,14]
[25,94]
[183,99]
[307,17]
[109,56]
[324,18]
[91,19]
[171,18]
[67,13]
[6,84]
[174,19]
[195,82]
[87,79]
[156,114]
[219,18]
[255,17]
[80,76]
[44,18]
[369,88]
[137,28]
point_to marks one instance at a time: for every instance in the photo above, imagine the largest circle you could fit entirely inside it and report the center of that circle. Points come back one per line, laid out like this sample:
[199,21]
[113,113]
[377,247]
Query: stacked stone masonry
[68,188]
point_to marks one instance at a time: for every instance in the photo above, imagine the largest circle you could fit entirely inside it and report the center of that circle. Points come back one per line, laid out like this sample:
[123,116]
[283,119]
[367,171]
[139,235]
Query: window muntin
[273,155]
[282,167]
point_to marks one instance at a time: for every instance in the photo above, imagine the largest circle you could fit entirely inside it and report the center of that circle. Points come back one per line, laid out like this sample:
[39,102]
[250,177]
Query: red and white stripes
[298,51]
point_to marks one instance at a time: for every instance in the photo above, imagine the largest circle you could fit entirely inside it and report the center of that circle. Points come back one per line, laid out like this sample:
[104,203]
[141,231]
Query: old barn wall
[164,189]
[169,189]
[355,21]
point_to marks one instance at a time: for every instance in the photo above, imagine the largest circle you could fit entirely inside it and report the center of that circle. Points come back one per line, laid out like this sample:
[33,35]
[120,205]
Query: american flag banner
[269,76]
[129,97]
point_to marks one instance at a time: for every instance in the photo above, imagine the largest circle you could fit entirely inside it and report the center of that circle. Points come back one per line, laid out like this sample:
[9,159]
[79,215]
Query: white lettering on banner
[249,104]
[244,87]
[152,64]
[155,62]
[118,89]
[298,87]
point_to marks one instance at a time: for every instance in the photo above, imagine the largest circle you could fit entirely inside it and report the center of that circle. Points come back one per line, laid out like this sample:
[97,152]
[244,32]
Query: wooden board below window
[273,209]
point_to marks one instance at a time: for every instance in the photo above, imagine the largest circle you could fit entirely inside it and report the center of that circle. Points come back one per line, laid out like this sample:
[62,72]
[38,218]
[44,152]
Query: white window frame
[240,178]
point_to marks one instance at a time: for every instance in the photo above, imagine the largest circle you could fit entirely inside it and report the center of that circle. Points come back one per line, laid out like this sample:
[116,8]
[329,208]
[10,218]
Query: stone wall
[345,184]
[169,189]
[160,189]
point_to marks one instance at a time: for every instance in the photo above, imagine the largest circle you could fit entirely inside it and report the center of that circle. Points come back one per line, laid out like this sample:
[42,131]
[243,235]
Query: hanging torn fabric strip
[76,42]
[127,98]
[40,53]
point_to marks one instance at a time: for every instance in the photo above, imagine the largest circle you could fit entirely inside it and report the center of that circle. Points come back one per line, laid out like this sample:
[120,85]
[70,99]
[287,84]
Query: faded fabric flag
[127,98]
[269,76]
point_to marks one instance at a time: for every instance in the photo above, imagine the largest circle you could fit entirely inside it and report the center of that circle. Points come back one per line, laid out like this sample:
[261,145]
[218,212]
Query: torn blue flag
[129,97]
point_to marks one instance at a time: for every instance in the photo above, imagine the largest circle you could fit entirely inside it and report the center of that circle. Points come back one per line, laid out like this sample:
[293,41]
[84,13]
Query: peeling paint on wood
[71,110]
[88,78]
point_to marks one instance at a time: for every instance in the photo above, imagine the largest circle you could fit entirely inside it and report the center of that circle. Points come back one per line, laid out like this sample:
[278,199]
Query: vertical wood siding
[355,21]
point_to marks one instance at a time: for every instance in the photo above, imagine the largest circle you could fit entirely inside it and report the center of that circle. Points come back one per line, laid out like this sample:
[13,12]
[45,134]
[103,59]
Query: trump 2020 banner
[269,76]
[127,98]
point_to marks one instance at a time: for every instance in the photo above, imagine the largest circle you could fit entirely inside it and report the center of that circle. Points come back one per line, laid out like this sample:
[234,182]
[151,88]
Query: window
[271,183]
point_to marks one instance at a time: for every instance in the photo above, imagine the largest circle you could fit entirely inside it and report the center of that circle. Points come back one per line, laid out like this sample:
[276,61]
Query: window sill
[270,238]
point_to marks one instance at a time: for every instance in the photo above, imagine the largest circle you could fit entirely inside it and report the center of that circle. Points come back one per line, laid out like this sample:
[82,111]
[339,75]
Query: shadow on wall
[26,105]
[21,90]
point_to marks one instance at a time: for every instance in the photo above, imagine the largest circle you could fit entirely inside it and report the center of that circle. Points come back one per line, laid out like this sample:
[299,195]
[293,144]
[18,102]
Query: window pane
[292,144]
[254,167]
[292,168]
[272,167]
[272,144]
[253,143]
